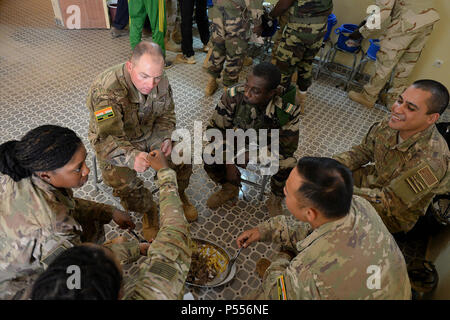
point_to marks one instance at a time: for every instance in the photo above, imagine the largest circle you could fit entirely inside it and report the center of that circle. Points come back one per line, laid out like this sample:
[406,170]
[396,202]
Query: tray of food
[209,265]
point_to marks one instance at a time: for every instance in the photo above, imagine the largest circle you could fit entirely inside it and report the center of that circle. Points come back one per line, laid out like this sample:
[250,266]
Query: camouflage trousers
[230,41]
[134,196]
[172,15]
[400,52]
[296,52]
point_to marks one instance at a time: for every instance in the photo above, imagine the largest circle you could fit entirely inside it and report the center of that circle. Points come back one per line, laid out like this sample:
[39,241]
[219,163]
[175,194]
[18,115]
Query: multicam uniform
[406,26]
[233,113]
[404,176]
[301,40]
[230,25]
[36,221]
[163,273]
[123,123]
[336,260]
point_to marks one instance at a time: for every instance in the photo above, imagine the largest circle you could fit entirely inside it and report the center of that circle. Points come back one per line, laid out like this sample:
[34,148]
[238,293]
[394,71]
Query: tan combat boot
[228,192]
[261,267]
[190,212]
[208,55]
[300,100]
[273,204]
[170,44]
[211,86]
[362,98]
[150,224]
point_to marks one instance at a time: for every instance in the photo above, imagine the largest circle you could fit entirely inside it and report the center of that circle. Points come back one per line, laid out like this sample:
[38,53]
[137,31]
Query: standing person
[39,216]
[162,273]
[201,18]
[121,20]
[131,113]
[403,162]
[156,12]
[255,105]
[173,26]
[300,41]
[405,26]
[334,245]
[230,36]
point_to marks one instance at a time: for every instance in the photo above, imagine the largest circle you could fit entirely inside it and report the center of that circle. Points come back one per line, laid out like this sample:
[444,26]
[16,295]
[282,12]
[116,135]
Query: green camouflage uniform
[301,40]
[163,273]
[332,261]
[405,28]
[230,26]
[403,177]
[123,123]
[36,219]
[233,113]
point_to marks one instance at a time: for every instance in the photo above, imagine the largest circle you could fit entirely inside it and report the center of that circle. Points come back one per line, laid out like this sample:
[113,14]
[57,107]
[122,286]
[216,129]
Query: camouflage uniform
[163,273]
[36,219]
[406,26]
[230,25]
[301,40]
[332,261]
[403,177]
[124,123]
[233,113]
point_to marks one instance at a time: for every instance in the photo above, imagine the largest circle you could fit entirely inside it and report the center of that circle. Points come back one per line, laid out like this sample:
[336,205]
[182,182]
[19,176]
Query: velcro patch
[421,180]
[104,114]
[163,270]
[281,288]
[289,108]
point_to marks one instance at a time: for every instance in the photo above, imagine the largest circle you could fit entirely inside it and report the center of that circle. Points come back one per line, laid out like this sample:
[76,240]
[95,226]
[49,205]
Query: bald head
[151,49]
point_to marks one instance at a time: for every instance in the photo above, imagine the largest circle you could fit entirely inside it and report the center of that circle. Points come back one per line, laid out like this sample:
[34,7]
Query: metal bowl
[219,279]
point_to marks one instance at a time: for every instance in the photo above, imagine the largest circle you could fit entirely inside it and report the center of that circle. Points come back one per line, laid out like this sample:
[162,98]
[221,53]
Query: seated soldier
[403,162]
[132,112]
[256,105]
[162,274]
[334,246]
[38,213]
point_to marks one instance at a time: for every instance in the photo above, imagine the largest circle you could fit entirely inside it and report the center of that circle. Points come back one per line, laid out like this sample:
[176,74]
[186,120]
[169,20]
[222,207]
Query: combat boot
[190,212]
[211,86]
[362,98]
[228,192]
[170,44]
[300,100]
[261,267]
[150,224]
[273,204]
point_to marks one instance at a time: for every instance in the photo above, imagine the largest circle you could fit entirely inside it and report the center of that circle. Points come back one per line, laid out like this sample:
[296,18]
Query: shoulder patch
[104,114]
[281,287]
[233,91]
[163,270]
[422,179]
[289,108]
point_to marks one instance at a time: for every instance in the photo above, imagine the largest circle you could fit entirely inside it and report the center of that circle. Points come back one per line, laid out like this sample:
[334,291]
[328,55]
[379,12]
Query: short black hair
[270,73]
[100,277]
[328,185]
[439,99]
[44,148]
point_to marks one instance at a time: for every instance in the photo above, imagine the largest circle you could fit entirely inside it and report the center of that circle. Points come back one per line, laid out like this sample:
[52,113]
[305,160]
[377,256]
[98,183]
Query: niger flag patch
[104,114]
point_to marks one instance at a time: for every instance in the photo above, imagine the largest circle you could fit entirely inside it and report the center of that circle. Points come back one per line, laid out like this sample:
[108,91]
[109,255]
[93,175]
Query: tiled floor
[45,73]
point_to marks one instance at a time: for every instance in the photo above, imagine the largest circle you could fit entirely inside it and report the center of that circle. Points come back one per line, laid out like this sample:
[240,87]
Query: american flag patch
[104,114]
[422,180]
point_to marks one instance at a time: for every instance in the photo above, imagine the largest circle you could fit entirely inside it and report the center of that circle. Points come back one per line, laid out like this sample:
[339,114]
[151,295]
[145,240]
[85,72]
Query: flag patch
[104,114]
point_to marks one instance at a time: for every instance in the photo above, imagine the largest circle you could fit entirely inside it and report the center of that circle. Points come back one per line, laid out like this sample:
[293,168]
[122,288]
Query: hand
[355,35]
[140,162]
[157,160]
[166,147]
[143,248]
[123,219]
[247,237]
[258,30]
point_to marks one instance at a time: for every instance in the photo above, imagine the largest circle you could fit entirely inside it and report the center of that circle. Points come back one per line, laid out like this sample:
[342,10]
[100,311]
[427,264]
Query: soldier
[162,274]
[405,28]
[403,162]
[256,105]
[300,41]
[334,246]
[230,25]
[132,112]
[39,214]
